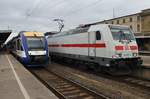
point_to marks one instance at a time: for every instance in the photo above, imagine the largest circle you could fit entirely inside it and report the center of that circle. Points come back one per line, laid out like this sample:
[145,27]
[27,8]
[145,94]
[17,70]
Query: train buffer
[18,83]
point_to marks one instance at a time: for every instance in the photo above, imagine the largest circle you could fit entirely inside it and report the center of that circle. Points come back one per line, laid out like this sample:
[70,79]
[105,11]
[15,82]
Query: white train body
[104,44]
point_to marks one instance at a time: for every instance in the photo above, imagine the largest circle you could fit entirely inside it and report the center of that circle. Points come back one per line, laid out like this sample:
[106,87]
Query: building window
[131,27]
[124,20]
[117,21]
[138,18]
[138,28]
[130,19]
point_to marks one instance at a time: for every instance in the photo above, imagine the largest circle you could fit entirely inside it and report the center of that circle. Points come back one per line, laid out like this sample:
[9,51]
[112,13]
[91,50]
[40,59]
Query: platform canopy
[4,34]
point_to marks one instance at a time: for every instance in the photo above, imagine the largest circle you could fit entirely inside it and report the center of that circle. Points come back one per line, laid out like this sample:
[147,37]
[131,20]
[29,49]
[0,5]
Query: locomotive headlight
[115,56]
[119,54]
[135,54]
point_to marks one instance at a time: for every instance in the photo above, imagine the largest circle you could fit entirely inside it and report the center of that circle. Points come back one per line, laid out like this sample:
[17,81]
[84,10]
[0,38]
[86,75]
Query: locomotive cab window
[98,35]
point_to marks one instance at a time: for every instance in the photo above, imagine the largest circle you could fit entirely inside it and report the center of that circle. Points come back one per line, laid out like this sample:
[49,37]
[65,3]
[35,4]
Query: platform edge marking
[22,88]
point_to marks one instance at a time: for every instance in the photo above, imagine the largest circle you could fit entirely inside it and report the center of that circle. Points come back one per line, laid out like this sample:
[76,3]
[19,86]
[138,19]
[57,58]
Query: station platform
[18,83]
[144,52]
[146,61]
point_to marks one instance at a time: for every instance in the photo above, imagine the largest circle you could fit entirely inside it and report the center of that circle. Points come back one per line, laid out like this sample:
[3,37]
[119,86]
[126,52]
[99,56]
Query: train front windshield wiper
[42,44]
[121,36]
[124,36]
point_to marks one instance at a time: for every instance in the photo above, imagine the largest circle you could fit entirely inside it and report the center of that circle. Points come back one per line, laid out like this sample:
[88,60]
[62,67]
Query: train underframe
[116,66]
[33,61]
[124,66]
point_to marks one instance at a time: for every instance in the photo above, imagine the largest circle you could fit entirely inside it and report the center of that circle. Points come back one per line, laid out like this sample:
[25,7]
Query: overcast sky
[38,15]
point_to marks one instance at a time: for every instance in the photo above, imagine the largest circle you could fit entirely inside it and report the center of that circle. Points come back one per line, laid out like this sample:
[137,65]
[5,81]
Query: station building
[139,23]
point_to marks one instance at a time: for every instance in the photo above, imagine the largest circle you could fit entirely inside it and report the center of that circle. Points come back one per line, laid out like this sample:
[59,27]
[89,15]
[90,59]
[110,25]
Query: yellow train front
[31,48]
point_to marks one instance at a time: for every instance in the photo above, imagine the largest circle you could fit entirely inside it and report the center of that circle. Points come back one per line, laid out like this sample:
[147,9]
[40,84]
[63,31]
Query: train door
[92,41]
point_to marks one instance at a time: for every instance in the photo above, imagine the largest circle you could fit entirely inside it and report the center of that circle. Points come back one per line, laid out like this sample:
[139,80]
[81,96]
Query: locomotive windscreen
[36,43]
[122,33]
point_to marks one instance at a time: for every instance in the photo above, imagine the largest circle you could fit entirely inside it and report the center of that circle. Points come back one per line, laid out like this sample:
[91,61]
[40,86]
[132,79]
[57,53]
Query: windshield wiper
[42,44]
[121,36]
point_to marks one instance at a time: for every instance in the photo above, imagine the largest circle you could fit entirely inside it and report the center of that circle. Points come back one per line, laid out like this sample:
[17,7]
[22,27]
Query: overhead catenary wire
[68,16]
[35,6]
[56,4]
[82,8]
[30,12]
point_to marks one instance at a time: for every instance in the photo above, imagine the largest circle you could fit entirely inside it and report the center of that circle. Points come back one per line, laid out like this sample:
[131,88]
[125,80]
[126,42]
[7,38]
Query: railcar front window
[122,34]
[36,43]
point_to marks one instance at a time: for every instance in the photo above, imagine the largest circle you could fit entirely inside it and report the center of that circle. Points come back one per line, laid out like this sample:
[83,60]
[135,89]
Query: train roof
[33,34]
[28,33]
[86,28]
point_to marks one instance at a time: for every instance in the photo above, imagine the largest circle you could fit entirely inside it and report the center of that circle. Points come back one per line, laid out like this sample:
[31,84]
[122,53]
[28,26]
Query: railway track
[133,81]
[65,88]
[139,82]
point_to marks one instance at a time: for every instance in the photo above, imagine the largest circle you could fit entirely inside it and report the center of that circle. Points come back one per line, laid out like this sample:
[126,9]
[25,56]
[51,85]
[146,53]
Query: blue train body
[31,48]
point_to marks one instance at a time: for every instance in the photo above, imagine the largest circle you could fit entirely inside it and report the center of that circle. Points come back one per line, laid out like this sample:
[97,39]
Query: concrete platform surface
[146,61]
[18,83]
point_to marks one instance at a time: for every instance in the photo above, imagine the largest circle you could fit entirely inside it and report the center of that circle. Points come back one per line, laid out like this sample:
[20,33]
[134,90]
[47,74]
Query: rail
[65,88]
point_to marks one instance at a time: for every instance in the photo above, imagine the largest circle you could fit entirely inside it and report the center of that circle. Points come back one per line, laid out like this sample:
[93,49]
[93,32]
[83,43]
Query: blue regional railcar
[30,48]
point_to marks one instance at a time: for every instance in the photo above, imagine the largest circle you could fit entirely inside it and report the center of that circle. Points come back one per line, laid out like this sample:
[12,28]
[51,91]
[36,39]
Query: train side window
[14,45]
[98,35]
[18,45]
[21,48]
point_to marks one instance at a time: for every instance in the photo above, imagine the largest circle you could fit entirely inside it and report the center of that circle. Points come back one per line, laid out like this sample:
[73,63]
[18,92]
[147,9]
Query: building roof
[4,34]
[143,12]
[5,31]
[117,18]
